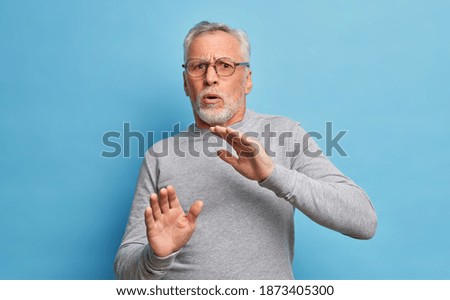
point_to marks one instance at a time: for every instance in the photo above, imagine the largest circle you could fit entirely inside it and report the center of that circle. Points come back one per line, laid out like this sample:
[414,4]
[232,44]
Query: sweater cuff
[279,181]
[156,263]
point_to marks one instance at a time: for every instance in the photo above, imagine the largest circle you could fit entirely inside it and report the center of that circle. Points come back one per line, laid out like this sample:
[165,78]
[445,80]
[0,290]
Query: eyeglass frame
[235,64]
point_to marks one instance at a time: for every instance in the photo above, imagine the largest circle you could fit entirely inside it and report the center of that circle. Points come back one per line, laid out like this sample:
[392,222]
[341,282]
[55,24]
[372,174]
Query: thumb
[195,211]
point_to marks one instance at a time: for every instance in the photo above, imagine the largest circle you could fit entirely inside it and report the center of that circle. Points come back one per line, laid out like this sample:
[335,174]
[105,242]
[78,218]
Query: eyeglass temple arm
[247,64]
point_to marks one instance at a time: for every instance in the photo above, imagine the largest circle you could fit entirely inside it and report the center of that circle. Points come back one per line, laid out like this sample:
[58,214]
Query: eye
[199,66]
[225,65]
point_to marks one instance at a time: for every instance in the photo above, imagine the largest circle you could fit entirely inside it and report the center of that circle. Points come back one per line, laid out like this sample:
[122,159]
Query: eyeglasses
[223,66]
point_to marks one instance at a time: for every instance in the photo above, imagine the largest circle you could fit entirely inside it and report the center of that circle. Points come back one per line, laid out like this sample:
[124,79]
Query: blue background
[72,70]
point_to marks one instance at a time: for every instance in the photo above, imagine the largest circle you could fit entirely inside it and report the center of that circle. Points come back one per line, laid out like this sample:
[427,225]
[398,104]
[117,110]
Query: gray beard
[213,116]
[216,116]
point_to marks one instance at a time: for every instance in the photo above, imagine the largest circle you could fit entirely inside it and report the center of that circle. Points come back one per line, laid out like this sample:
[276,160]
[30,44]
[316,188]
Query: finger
[149,221]
[225,133]
[249,141]
[218,130]
[155,206]
[251,147]
[227,157]
[195,211]
[232,136]
[172,195]
[243,144]
[239,141]
[163,201]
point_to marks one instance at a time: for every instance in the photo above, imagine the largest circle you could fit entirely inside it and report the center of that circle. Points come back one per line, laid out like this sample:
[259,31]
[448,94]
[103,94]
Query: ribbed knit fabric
[246,228]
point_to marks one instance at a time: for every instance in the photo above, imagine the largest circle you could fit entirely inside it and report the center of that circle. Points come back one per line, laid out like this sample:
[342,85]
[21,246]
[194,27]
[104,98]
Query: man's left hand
[252,160]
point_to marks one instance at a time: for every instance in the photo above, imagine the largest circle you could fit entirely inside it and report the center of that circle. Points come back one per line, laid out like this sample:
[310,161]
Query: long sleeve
[135,259]
[318,189]
[239,216]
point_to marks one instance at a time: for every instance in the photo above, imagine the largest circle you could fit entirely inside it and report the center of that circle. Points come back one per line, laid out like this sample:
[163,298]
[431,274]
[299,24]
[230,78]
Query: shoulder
[274,121]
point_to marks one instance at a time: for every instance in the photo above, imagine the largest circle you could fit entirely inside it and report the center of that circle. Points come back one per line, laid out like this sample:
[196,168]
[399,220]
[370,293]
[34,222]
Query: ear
[248,82]
[186,89]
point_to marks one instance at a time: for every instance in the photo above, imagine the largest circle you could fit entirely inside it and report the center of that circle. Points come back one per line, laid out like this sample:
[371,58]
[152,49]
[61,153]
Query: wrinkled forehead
[213,45]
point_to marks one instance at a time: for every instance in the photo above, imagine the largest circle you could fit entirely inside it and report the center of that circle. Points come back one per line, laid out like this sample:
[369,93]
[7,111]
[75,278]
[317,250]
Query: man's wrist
[157,262]
[266,174]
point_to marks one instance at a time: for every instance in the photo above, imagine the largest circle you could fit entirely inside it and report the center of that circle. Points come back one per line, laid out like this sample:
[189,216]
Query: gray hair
[206,26]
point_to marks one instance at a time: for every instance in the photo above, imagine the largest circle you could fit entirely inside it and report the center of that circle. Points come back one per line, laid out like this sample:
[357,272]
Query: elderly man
[243,226]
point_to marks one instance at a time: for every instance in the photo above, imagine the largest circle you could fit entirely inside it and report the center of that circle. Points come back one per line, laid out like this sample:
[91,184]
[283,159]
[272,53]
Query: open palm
[169,228]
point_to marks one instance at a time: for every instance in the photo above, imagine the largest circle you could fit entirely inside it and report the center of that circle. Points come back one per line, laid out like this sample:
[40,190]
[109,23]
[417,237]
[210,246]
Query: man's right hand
[168,227]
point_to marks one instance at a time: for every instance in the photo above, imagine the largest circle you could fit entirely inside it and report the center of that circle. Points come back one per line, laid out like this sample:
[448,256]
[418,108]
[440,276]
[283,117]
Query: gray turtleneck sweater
[246,228]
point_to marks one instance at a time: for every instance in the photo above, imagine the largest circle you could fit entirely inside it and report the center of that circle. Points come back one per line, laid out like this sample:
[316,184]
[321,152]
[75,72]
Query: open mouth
[211,98]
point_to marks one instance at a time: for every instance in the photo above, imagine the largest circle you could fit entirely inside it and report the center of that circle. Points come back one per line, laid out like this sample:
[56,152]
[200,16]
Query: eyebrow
[207,60]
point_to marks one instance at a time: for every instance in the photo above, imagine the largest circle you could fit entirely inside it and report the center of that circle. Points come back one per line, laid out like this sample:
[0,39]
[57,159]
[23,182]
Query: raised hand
[168,227]
[252,160]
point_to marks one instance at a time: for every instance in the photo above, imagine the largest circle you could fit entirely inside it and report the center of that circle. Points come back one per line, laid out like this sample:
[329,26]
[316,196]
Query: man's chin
[214,116]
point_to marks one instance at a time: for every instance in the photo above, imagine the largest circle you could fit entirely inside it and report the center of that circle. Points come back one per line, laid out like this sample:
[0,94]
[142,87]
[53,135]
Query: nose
[211,77]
